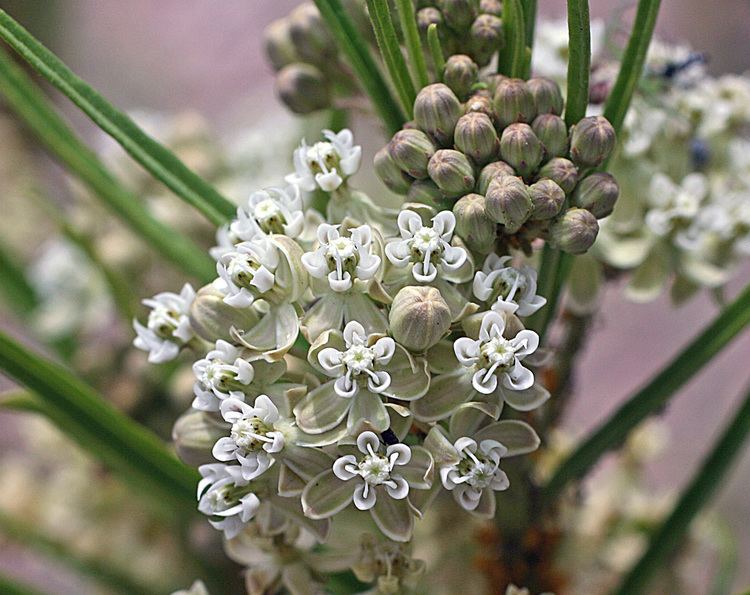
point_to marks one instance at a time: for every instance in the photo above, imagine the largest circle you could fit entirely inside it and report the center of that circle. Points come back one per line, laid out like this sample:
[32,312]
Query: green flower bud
[303,88]
[591,141]
[476,229]
[561,171]
[486,38]
[508,202]
[436,111]
[411,151]
[574,232]
[547,96]
[476,137]
[494,7]
[459,14]
[490,172]
[429,16]
[460,74]
[597,193]
[194,435]
[425,192]
[391,174]
[419,317]
[513,102]
[552,131]
[480,103]
[279,45]
[492,81]
[520,147]
[451,171]
[547,197]
[212,319]
[312,39]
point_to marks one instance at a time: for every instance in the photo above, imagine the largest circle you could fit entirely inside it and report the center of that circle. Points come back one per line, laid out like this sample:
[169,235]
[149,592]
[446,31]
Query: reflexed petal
[469,417]
[526,399]
[367,413]
[329,338]
[224,449]
[340,467]
[410,378]
[444,223]
[326,314]
[326,495]
[517,436]
[384,349]
[401,490]
[441,358]
[401,419]
[354,333]
[330,360]
[530,338]
[321,409]
[420,470]
[359,307]
[402,452]
[446,392]
[466,351]
[367,441]
[486,505]
[519,378]
[274,335]
[290,484]
[485,383]
[393,517]
[292,509]
[362,501]
[305,462]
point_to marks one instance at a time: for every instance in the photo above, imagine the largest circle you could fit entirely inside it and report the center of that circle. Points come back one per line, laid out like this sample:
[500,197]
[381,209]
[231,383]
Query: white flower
[219,375]
[478,469]
[223,492]
[511,289]
[197,588]
[248,271]
[168,328]
[326,165]
[358,362]
[271,210]
[342,259]
[424,247]
[253,435]
[374,469]
[493,355]
[550,56]
[673,205]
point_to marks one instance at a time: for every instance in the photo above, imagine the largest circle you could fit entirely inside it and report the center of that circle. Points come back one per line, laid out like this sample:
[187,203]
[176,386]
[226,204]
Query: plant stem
[436,51]
[512,59]
[529,18]
[408,21]
[579,62]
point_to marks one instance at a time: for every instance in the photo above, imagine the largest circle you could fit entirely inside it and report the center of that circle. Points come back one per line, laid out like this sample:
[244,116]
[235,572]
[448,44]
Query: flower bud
[490,172]
[494,7]
[561,171]
[520,147]
[303,88]
[574,232]
[513,102]
[460,74]
[476,229]
[451,171]
[476,137]
[547,198]
[597,193]
[547,96]
[436,111]
[212,318]
[591,141]
[419,317]
[553,133]
[312,39]
[411,151]
[391,174]
[486,38]
[458,14]
[507,201]
[480,103]
[279,45]
[429,16]
[425,192]
[194,435]
[492,81]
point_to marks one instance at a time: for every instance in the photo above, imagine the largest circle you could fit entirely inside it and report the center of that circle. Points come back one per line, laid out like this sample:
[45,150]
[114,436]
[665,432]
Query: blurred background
[175,55]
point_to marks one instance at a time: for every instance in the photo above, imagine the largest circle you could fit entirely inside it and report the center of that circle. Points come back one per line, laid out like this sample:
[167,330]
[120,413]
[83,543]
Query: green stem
[358,54]
[390,50]
[15,287]
[529,18]
[553,271]
[408,20]
[512,58]
[696,495]
[655,394]
[579,61]
[436,51]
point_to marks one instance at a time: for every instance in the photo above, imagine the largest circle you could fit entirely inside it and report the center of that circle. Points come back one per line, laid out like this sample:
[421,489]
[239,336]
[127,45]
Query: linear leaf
[436,51]
[512,58]
[159,161]
[10,586]
[579,60]
[15,288]
[529,18]
[408,22]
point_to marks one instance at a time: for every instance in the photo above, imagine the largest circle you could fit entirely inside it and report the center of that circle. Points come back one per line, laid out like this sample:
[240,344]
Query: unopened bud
[491,7]
[419,317]
[212,318]
[490,172]
[425,192]
[460,74]
[436,111]
[428,16]
[476,229]
[476,137]
[452,172]
[574,232]
[591,141]
[486,37]
[507,201]
[513,102]
[391,174]
[547,96]
[279,45]
[480,103]
[547,197]
[411,150]
[561,171]
[194,435]
[492,81]
[458,14]
[597,193]
[552,131]
[312,39]
[520,147]
[303,88]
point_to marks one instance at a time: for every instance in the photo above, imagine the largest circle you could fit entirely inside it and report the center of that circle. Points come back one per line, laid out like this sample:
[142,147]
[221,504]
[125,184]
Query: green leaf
[358,54]
[15,288]
[512,58]
[655,394]
[408,21]
[436,51]
[529,18]
[695,496]
[123,444]
[9,586]
[37,113]
[155,158]
[579,61]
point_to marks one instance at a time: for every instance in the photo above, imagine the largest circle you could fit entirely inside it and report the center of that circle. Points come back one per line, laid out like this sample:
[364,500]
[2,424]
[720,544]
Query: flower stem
[579,62]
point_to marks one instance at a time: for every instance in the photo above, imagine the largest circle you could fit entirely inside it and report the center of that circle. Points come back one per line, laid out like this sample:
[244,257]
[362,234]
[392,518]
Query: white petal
[401,490]
[362,502]
[366,439]
[340,464]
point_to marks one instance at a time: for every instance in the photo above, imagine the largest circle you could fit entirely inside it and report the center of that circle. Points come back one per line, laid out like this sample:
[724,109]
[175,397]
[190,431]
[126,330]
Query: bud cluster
[503,160]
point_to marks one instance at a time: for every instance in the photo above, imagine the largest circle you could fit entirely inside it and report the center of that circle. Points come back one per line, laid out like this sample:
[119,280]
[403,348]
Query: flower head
[225,494]
[168,328]
[222,373]
[326,164]
[477,470]
[248,271]
[673,205]
[271,210]
[508,288]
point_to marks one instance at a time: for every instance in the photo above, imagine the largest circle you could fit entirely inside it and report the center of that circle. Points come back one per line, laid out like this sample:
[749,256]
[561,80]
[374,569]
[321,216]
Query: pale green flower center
[359,358]
[498,352]
[322,157]
[476,470]
[426,245]
[375,469]
[508,283]
[242,270]
[250,434]
[269,216]
[163,322]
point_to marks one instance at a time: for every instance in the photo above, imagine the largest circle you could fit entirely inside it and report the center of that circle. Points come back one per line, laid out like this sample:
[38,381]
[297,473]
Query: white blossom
[271,210]
[512,289]
[168,328]
[219,375]
[477,470]
[248,271]
[326,164]
[673,204]
[223,492]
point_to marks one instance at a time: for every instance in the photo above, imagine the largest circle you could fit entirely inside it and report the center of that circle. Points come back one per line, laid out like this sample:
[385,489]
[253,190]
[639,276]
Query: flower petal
[446,392]
[526,399]
[410,378]
[321,409]
[324,315]
[367,413]
[393,517]
[326,495]
[516,436]
[420,470]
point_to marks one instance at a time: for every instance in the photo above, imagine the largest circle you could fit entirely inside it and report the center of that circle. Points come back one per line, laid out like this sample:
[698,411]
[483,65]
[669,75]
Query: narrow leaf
[15,288]
[655,394]
[408,20]
[155,158]
[579,60]
[9,586]
[512,57]
[529,18]
[436,51]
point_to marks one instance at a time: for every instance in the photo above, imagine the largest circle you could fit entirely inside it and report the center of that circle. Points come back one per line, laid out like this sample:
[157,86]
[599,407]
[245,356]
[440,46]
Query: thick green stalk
[579,61]
[159,161]
[695,496]
[390,50]
[436,51]
[408,21]
[655,394]
[37,113]
[512,58]
[358,54]
[553,271]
